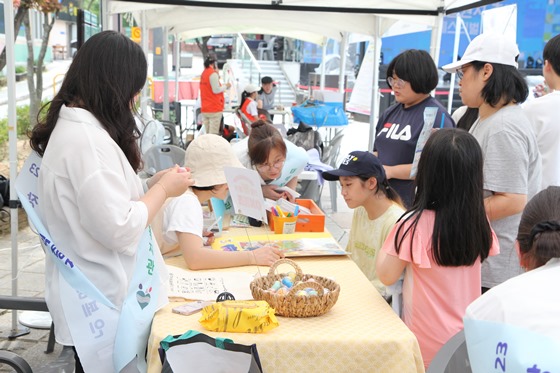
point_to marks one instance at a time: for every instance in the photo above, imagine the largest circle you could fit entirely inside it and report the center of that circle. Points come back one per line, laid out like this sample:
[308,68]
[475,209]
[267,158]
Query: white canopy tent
[312,20]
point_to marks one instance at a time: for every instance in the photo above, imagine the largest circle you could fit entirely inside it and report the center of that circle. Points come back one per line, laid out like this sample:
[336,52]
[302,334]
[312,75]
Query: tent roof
[311,20]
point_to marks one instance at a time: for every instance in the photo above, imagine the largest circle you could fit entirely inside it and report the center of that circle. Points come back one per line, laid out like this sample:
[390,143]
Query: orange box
[314,222]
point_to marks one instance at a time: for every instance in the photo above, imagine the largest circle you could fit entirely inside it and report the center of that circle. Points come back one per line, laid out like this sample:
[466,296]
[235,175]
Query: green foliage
[20,69]
[23,122]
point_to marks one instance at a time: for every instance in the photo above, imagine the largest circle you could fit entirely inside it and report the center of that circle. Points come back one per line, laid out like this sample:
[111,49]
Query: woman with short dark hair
[412,75]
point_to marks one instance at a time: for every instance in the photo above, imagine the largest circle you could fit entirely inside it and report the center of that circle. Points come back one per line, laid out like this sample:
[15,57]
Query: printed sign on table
[246,193]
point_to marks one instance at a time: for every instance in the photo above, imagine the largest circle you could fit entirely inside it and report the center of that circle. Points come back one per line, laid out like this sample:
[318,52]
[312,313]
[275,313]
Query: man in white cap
[180,226]
[512,165]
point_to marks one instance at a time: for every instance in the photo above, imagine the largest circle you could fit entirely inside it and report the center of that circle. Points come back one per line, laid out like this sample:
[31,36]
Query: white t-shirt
[530,300]
[543,115]
[252,108]
[182,214]
[90,206]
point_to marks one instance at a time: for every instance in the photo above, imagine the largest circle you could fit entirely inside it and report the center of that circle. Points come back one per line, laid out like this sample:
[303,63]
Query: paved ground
[30,257]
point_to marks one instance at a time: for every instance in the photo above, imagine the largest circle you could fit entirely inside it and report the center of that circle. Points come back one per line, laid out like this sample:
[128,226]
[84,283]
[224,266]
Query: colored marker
[296,210]
[280,212]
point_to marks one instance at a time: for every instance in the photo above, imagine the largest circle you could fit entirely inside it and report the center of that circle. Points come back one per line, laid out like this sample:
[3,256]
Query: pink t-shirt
[434,298]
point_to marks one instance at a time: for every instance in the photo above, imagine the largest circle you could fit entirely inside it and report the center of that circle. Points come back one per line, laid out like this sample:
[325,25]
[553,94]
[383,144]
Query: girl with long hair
[441,240]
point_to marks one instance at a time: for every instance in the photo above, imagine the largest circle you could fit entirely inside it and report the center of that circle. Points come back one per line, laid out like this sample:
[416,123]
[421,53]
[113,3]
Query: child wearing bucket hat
[490,81]
[182,219]
[376,208]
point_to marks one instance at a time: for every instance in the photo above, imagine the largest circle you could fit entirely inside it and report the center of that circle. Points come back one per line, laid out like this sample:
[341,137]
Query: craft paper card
[293,245]
[208,285]
[246,193]
[219,208]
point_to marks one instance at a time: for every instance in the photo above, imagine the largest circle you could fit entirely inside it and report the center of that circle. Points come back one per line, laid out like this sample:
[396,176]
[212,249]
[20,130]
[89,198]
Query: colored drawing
[299,244]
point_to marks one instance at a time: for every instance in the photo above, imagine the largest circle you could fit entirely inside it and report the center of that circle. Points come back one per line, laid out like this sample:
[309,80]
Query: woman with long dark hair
[96,209]
[441,240]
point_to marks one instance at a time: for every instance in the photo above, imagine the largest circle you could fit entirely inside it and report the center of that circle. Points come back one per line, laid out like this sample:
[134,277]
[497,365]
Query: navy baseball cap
[357,163]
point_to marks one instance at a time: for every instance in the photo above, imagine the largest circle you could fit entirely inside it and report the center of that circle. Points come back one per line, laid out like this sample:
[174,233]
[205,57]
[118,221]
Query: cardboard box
[314,222]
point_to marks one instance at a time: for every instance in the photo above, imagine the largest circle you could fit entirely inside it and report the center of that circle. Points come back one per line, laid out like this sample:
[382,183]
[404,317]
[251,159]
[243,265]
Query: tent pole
[323,58]
[342,72]
[165,53]
[144,41]
[374,112]
[435,42]
[177,65]
[458,24]
[12,132]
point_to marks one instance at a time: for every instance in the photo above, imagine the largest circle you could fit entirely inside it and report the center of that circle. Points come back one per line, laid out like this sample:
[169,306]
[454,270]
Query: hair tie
[385,184]
[543,226]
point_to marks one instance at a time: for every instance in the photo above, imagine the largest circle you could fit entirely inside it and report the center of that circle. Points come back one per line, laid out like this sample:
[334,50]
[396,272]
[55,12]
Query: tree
[50,9]
[18,19]
[203,46]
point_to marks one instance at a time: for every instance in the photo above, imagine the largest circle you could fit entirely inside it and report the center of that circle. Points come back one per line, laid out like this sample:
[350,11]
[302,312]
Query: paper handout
[208,285]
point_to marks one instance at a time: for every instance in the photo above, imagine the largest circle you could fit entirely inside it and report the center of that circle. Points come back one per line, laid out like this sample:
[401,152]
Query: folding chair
[245,123]
[160,157]
[265,50]
[452,357]
[330,156]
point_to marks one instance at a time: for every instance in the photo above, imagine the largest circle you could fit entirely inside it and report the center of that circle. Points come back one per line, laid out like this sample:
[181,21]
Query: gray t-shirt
[512,164]
[268,98]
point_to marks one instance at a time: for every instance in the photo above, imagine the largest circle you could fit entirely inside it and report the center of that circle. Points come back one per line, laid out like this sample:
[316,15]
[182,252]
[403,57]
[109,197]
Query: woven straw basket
[291,305]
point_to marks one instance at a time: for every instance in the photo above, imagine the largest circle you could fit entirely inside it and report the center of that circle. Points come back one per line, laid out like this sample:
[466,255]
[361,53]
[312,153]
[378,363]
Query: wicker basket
[291,305]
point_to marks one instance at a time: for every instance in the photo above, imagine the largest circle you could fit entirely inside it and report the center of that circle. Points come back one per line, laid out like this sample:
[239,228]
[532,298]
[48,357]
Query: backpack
[306,137]
[4,191]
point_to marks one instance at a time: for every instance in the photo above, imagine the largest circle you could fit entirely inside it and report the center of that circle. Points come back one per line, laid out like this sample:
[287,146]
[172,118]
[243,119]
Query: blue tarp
[318,113]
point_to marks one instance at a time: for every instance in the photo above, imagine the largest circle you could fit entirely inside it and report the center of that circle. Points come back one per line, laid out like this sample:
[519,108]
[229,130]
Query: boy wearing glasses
[412,75]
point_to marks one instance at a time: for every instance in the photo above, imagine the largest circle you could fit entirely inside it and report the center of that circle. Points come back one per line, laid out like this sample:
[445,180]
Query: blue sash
[106,338]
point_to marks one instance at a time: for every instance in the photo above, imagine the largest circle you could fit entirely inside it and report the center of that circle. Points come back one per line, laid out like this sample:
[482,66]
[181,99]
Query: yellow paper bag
[239,317]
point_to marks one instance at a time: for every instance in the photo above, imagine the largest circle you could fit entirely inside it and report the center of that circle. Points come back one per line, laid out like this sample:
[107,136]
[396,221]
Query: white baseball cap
[206,156]
[250,88]
[488,47]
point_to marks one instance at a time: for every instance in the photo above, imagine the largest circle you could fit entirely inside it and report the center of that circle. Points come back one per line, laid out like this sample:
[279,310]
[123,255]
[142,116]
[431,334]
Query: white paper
[208,285]
[246,192]
[430,114]
[288,190]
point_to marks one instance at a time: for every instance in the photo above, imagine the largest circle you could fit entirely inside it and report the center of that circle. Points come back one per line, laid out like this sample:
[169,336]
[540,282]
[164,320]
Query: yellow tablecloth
[361,333]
